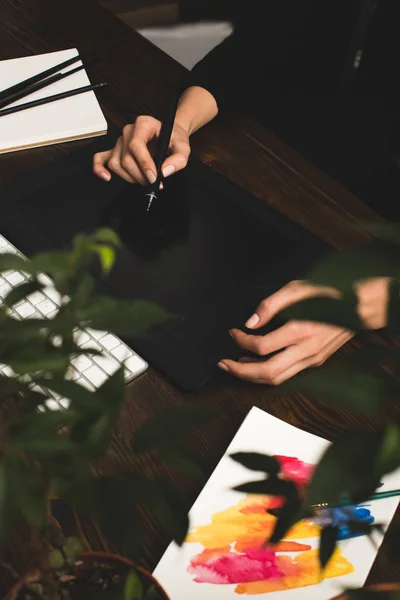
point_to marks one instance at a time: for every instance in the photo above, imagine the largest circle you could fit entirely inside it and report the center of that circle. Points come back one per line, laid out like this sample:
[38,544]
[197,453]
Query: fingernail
[252,322]
[223,367]
[105,176]
[150,176]
[231,333]
[168,171]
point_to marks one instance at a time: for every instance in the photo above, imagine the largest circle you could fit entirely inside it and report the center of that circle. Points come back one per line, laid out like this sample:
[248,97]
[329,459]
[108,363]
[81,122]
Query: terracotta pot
[93,559]
[379,587]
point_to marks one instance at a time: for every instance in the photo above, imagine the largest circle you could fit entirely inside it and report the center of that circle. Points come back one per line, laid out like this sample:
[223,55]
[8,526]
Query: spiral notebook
[61,121]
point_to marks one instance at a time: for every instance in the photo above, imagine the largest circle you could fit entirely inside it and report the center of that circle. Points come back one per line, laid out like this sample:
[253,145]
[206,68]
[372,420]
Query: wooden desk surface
[140,78]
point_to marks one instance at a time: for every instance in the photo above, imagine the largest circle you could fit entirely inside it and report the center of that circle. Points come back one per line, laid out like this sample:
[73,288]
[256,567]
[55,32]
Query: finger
[99,165]
[178,159]
[136,142]
[114,163]
[267,371]
[290,294]
[131,167]
[290,333]
[315,361]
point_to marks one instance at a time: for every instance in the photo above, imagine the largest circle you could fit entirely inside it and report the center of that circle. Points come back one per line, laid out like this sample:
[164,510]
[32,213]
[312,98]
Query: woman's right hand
[131,159]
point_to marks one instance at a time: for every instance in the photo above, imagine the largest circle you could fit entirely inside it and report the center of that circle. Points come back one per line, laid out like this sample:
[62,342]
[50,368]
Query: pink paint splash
[253,565]
[295,470]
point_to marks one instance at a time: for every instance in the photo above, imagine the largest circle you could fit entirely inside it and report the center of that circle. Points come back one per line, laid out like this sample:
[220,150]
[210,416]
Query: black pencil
[37,86]
[4,94]
[41,101]
[162,147]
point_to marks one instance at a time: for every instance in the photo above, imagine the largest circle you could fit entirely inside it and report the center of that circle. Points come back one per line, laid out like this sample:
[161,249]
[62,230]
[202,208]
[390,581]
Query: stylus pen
[39,85]
[162,147]
[14,109]
[4,94]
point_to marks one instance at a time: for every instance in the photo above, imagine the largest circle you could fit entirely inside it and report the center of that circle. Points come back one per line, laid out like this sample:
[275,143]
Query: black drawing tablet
[207,251]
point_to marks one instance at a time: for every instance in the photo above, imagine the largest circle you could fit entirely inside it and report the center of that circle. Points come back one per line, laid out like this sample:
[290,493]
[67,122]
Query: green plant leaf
[268,487]
[14,262]
[108,236]
[152,593]
[22,291]
[327,544]
[81,398]
[167,506]
[56,559]
[99,436]
[290,513]
[389,232]
[184,461]
[257,462]
[344,468]
[351,387]
[116,502]
[52,362]
[9,386]
[133,589]
[29,493]
[165,428]
[5,504]
[388,458]
[122,317]
[55,264]
[106,256]
[326,310]
[341,269]
[72,547]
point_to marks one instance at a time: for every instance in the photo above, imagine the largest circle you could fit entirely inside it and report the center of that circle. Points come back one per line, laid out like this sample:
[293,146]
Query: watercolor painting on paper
[225,556]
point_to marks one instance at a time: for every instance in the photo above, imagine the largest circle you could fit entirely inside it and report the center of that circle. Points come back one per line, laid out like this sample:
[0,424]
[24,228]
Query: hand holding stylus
[131,158]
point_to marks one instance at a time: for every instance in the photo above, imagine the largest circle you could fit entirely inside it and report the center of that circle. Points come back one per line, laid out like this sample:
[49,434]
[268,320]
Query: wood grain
[140,80]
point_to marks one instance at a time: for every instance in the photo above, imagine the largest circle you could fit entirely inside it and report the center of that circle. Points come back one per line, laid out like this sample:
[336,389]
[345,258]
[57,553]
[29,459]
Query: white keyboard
[89,371]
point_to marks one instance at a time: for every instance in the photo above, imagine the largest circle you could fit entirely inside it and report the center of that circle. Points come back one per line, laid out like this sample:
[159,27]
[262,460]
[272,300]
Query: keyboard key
[14,277]
[35,298]
[85,383]
[81,337]
[108,364]
[5,289]
[46,307]
[121,352]
[134,363]
[96,376]
[96,333]
[109,341]
[25,310]
[81,363]
[92,345]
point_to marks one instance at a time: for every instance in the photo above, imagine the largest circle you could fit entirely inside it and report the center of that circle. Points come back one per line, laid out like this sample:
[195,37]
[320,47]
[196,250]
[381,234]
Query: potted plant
[351,469]
[58,454]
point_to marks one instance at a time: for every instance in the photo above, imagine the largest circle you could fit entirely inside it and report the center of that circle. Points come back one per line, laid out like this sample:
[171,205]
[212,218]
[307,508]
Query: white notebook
[61,121]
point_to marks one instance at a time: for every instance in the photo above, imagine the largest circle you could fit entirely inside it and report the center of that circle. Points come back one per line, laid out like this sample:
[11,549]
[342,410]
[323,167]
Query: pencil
[34,87]
[162,147]
[4,94]
[48,99]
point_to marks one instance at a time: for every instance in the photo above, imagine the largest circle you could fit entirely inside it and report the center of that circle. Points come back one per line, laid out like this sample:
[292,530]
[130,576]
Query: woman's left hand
[301,344]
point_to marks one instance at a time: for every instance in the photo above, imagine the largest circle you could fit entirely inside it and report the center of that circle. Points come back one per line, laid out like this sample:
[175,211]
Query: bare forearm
[196,108]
